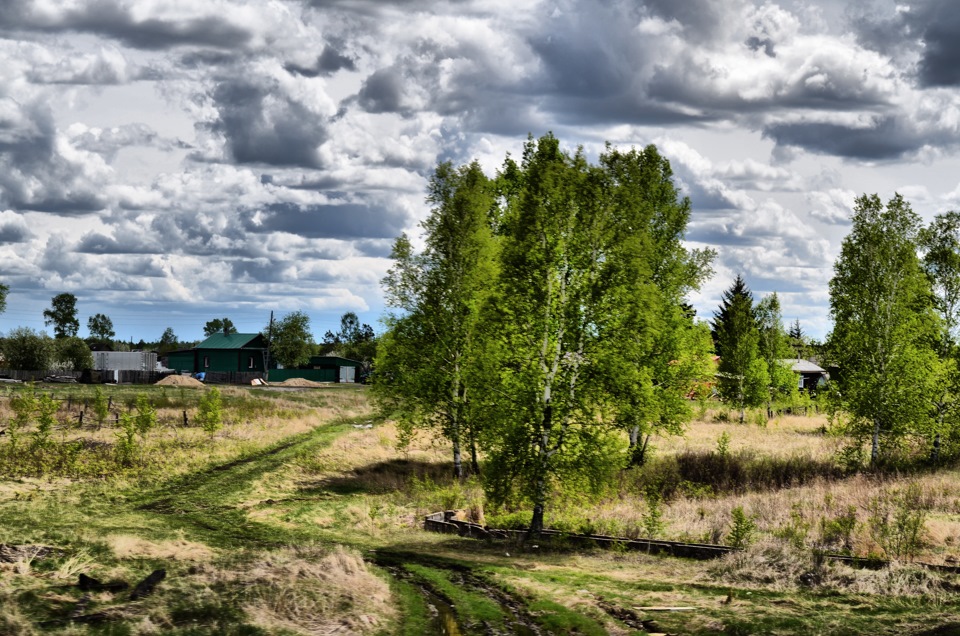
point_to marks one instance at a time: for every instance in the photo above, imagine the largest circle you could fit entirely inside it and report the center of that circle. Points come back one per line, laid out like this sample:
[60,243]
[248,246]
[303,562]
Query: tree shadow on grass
[394,475]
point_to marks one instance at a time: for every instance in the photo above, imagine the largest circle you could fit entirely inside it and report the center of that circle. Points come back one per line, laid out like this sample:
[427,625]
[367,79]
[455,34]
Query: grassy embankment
[290,520]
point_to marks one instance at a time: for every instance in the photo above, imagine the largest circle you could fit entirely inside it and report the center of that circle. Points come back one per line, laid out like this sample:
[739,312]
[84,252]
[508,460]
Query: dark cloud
[259,270]
[926,27]
[702,19]
[889,138]
[96,243]
[343,221]
[14,232]
[382,92]
[262,125]
[33,173]
[755,44]
[113,19]
[329,62]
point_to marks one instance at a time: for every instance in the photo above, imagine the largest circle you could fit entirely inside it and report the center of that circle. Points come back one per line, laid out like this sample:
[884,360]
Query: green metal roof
[233,341]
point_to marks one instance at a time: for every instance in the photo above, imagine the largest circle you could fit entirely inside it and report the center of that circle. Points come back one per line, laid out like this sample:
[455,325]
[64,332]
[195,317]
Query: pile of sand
[180,380]
[297,382]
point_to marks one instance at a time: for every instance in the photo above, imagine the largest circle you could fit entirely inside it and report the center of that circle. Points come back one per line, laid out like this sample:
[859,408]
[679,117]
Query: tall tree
[4,290]
[885,327]
[940,244]
[587,255]
[742,372]
[657,351]
[219,325]
[424,360]
[799,343]
[168,341]
[62,314]
[100,327]
[291,342]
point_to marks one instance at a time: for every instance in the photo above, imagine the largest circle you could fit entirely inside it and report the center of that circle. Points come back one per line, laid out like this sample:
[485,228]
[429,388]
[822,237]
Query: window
[206,362]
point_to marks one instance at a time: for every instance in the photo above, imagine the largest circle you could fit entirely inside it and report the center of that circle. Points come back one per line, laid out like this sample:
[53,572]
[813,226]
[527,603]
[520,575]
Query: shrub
[146,418]
[742,529]
[210,411]
[896,520]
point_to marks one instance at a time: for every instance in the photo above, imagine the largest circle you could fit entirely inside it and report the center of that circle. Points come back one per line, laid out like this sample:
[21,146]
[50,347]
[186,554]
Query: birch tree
[885,327]
[577,313]
[424,360]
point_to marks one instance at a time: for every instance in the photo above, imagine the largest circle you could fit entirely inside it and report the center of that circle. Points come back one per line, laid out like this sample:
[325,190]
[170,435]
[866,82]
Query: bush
[210,411]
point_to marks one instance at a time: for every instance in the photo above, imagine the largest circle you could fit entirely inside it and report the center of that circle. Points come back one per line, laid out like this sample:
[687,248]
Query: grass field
[302,515]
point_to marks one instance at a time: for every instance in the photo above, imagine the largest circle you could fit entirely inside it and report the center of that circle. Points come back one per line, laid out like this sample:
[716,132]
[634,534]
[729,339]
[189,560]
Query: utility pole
[266,360]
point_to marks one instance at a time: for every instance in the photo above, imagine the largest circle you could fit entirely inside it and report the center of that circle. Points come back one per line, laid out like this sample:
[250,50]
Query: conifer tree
[742,372]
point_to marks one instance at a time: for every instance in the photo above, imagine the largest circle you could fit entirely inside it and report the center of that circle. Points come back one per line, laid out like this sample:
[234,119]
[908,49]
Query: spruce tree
[742,372]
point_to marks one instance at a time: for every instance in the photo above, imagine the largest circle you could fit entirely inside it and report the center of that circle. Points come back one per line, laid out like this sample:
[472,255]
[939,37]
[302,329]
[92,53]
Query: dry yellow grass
[128,546]
[313,594]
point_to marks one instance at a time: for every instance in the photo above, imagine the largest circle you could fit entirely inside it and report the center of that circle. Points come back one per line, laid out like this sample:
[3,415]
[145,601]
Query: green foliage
[743,373]
[46,409]
[839,529]
[210,411]
[742,528]
[794,532]
[291,341]
[885,327]
[219,325]
[73,354]
[26,349]
[100,327]
[652,518]
[126,448]
[62,314]
[24,405]
[101,406]
[146,418]
[896,520]
[429,368]
[723,444]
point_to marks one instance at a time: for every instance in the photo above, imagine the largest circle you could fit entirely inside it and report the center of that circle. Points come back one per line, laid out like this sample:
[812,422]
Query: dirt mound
[297,382]
[180,380]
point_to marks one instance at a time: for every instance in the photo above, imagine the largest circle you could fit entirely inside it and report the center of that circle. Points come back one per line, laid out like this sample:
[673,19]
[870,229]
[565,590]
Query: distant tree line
[290,338]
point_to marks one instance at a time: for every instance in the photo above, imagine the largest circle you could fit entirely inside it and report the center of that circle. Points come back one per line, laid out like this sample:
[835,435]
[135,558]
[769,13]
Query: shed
[321,369]
[809,374]
[125,361]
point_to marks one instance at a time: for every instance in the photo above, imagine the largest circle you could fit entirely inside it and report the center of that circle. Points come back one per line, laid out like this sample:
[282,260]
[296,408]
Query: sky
[172,161]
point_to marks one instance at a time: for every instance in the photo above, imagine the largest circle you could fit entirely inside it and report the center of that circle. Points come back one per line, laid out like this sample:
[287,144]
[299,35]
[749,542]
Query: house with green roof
[234,352]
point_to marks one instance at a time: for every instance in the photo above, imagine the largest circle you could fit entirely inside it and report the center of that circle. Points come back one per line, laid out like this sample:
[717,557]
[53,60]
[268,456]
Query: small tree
[101,406]
[24,405]
[146,418]
[62,315]
[210,411]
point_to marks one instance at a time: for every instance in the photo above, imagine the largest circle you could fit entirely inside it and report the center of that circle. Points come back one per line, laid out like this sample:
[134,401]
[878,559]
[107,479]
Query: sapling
[210,411]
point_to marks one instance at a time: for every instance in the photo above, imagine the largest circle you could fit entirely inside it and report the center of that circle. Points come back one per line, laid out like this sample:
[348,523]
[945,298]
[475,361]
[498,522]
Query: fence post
[80,424]
[185,418]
